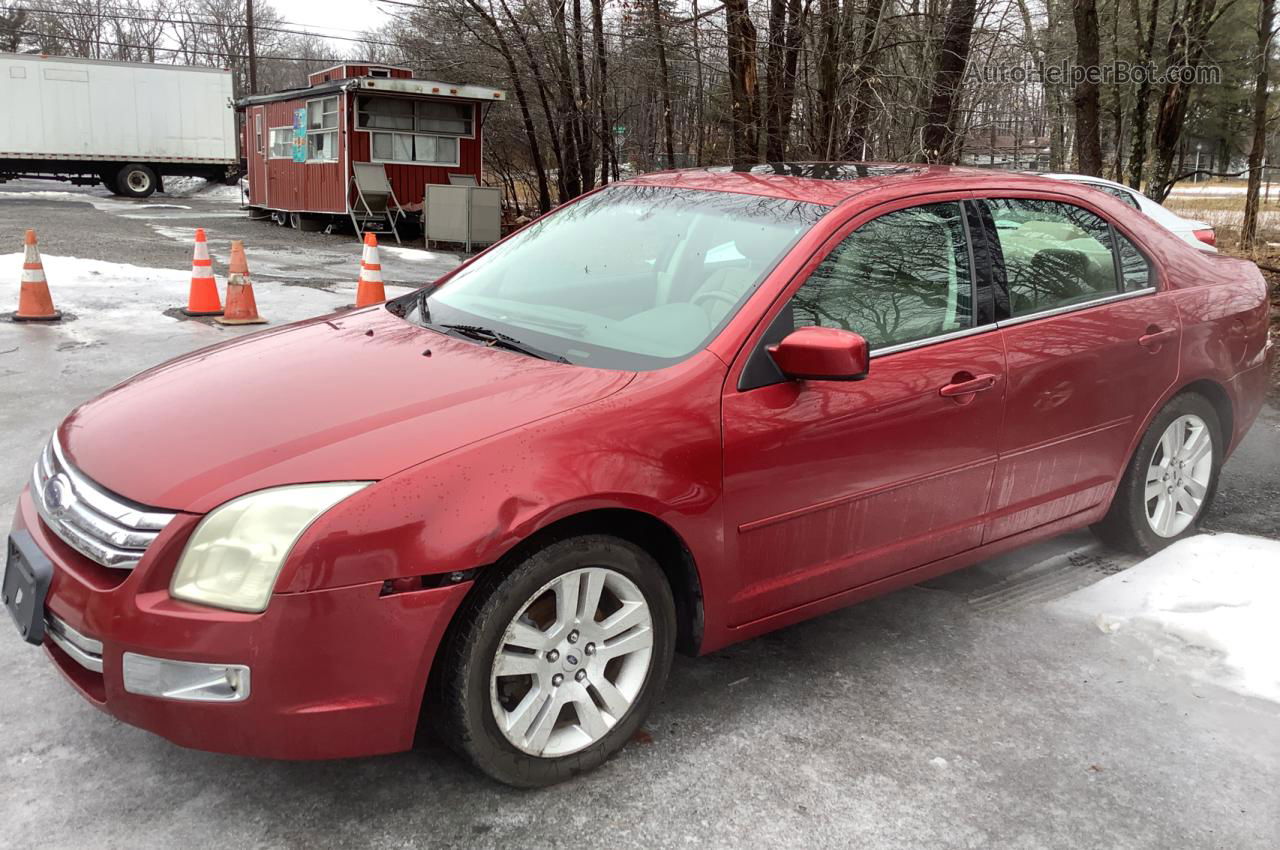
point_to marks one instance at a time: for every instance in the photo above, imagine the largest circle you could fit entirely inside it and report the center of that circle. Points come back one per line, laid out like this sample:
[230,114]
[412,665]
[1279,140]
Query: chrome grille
[97,524]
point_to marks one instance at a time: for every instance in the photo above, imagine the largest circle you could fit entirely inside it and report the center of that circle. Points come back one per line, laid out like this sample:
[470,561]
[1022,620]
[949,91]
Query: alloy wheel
[571,662]
[1178,476]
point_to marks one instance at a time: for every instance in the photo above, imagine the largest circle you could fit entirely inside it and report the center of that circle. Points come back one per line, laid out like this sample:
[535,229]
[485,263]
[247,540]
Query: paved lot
[958,714]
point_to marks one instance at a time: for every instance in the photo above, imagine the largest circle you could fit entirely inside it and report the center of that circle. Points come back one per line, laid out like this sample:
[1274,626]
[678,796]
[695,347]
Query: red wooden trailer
[302,146]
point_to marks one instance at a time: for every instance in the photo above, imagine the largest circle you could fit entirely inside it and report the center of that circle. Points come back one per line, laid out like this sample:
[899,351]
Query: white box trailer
[124,124]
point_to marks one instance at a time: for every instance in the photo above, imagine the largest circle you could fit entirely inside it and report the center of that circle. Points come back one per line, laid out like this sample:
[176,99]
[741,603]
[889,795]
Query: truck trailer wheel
[137,181]
[108,178]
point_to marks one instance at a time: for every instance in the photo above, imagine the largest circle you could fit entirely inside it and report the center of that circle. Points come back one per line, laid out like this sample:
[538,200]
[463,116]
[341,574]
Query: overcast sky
[332,17]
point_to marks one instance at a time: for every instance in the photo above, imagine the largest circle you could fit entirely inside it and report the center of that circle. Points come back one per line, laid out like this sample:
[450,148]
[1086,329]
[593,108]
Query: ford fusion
[677,413]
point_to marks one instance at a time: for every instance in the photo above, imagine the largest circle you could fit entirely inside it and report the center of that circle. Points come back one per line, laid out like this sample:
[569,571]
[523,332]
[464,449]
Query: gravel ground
[961,713]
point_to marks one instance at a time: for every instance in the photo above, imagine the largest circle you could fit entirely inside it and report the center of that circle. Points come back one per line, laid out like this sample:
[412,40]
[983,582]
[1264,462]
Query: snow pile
[186,187]
[1209,605]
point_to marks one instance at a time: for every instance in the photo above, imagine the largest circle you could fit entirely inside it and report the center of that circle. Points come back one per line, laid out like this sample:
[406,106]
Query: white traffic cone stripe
[371,276]
[32,270]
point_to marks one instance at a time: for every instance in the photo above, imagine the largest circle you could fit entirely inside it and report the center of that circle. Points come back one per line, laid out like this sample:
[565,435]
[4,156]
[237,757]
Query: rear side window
[899,278]
[1135,270]
[1114,192]
[1055,254]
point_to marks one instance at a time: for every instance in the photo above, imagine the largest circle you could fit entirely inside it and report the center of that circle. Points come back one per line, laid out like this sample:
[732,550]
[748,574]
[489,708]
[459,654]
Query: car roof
[829,183]
[1088,178]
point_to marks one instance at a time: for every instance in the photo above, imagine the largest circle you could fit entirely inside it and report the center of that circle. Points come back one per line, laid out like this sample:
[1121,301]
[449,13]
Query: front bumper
[336,673]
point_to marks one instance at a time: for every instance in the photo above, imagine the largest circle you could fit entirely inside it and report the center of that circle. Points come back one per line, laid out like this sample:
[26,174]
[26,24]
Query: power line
[121,16]
[186,51]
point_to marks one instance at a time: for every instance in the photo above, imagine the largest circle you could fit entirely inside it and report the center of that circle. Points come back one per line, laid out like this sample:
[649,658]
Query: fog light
[185,680]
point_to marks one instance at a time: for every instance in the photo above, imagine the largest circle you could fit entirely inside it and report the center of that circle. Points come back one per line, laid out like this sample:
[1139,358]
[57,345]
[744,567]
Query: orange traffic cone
[35,304]
[242,309]
[369,288]
[202,300]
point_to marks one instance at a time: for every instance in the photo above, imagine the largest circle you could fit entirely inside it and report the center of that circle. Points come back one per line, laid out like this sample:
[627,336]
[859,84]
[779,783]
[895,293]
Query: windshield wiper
[501,340]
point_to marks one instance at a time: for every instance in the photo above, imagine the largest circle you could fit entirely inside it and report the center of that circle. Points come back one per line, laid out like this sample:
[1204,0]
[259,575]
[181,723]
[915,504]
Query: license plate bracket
[27,575]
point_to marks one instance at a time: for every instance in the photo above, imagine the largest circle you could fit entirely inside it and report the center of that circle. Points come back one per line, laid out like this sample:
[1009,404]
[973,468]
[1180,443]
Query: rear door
[831,485]
[1092,346]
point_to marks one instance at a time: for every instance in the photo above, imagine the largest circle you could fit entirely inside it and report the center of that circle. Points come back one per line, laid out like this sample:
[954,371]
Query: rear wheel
[552,668]
[1171,479]
[137,181]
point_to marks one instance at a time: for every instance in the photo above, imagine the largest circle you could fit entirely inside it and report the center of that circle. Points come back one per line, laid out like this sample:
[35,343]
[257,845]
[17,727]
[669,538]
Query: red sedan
[679,412]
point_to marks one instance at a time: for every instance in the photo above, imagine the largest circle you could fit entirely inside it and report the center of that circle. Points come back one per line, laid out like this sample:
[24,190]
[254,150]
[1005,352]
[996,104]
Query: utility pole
[253,54]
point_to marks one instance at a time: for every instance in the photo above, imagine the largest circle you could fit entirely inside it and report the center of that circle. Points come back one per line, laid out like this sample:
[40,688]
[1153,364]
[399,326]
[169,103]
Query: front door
[1092,347]
[831,485]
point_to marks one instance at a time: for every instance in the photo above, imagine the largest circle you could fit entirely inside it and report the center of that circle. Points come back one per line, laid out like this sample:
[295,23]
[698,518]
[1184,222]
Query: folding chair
[375,195]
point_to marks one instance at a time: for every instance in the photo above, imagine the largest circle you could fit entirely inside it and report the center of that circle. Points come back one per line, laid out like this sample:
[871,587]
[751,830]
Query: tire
[471,698]
[1138,524]
[109,180]
[137,181]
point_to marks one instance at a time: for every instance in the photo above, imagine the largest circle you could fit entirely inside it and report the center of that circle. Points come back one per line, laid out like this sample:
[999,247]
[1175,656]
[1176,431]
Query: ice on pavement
[1209,605]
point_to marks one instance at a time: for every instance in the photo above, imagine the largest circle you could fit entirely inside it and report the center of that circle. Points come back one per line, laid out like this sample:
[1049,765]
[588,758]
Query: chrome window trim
[931,340]
[1071,308]
[82,649]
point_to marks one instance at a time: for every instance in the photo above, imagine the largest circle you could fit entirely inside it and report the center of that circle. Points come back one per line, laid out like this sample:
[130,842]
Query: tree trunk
[586,150]
[828,61]
[1088,148]
[526,117]
[785,34]
[1266,25]
[858,146]
[1187,39]
[939,142]
[607,154]
[743,93]
[700,88]
[1142,96]
[664,82]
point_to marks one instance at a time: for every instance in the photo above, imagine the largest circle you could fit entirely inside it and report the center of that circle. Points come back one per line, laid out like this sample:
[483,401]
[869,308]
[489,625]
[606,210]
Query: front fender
[654,448]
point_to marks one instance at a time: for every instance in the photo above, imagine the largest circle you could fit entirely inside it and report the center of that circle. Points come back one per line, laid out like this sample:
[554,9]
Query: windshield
[632,277]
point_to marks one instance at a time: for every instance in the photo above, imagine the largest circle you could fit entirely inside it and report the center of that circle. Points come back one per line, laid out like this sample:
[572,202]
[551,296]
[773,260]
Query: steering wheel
[713,296]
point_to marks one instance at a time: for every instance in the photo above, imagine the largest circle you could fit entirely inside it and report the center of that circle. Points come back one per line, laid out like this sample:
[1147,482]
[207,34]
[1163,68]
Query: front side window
[898,278]
[1055,254]
[322,129]
[632,277]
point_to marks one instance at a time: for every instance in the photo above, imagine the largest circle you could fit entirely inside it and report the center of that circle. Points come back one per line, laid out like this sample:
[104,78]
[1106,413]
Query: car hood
[350,397]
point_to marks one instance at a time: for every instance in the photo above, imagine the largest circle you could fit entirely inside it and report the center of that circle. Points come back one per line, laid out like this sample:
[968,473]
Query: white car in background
[1198,233]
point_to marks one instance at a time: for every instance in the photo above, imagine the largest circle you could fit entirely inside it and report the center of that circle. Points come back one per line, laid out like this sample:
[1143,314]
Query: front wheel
[552,668]
[1170,481]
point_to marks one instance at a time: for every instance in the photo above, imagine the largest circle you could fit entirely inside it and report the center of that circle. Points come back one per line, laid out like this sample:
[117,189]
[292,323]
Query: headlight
[235,554]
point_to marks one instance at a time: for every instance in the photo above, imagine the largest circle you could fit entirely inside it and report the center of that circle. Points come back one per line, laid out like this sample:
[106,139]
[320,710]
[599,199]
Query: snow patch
[186,187]
[1209,605]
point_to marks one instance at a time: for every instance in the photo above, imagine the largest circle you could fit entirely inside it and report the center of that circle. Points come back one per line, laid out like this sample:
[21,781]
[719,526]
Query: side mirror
[822,354]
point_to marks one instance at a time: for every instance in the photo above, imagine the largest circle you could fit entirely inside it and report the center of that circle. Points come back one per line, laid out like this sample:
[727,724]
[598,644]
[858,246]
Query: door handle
[1154,337]
[967,386]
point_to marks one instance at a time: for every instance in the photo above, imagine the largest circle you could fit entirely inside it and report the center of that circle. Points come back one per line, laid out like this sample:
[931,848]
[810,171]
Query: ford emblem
[57,494]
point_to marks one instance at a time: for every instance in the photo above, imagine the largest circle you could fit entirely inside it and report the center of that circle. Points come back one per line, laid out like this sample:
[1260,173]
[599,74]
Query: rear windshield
[632,277]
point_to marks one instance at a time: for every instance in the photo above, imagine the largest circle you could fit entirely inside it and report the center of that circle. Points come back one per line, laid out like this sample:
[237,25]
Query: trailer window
[282,143]
[257,129]
[322,129]
[423,116]
[451,118]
